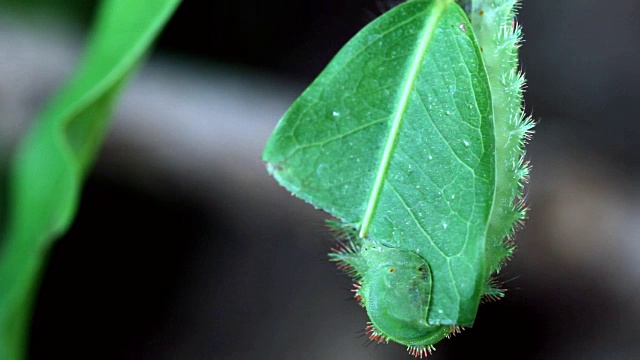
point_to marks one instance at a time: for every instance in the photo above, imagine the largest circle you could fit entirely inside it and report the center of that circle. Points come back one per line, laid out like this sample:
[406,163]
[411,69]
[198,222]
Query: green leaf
[413,137]
[396,137]
[52,161]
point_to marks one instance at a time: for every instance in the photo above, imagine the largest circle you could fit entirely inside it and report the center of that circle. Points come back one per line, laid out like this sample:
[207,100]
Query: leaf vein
[426,35]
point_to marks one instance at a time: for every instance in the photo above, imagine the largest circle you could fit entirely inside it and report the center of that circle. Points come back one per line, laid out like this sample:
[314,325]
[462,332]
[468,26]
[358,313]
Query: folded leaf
[397,139]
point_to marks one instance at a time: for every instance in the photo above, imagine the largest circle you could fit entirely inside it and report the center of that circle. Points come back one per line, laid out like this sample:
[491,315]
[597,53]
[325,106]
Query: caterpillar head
[396,292]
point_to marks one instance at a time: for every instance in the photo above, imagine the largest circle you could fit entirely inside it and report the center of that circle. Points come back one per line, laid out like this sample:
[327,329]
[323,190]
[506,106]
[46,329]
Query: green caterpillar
[413,138]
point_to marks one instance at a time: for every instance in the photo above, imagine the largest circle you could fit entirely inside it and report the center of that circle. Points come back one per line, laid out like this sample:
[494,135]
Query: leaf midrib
[437,9]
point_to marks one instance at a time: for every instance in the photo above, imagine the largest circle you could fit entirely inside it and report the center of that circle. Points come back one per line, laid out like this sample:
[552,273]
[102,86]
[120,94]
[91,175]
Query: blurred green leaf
[52,161]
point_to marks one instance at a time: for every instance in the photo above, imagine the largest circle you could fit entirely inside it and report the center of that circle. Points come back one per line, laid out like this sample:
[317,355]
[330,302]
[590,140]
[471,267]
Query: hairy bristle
[357,295]
[375,334]
[420,351]
[454,330]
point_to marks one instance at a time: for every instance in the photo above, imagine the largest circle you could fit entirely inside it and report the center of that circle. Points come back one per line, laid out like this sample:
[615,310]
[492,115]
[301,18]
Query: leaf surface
[52,161]
[396,137]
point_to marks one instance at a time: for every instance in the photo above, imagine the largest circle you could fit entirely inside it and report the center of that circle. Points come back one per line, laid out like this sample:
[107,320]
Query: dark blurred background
[185,248]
